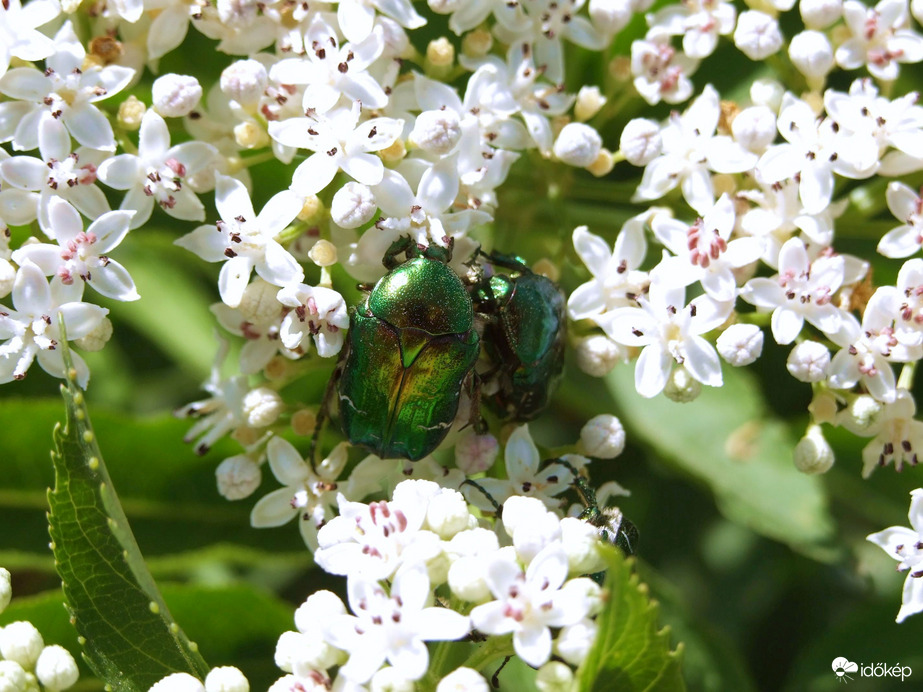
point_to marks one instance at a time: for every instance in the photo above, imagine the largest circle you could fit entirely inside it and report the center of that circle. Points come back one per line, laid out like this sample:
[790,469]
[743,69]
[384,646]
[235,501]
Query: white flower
[158,172]
[178,682]
[809,361]
[699,22]
[802,290]
[246,241]
[30,330]
[898,436]
[356,18]
[669,331]
[904,545]
[660,72]
[317,312]
[56,669]
[878,41]
[392,626]
[757,35]
[238,477]
[907,238]
[577,145]
[530,602]
[812,54]
[597,355]
[339,141]
[740,344]
[19,34]
[22,643]
[603,436]
[175,95]
[754,128]
[65,90]
[83,255]
[463,680]
[575,642]
[907,304]
[819,14]
[475,453]
[13,677]
[640,141]
[310,493]
[226,679]
[611,16]
[244,81]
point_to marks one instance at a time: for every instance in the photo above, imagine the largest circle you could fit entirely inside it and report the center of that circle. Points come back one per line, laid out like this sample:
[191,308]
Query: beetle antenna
[498,508]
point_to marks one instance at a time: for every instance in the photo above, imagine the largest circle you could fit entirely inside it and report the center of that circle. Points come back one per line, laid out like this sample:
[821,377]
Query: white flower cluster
[906,546]
[223,679]
[26,663]
[423,547]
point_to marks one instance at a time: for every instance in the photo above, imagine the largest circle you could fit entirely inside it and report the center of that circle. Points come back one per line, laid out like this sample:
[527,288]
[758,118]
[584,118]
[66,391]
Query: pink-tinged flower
[699,22]
[316,312]
[30,330]
[81,255]
[245,241]
[906,546]
[907,206]
[878,39]
[661,72]
[66,90]
[802,290]
[157,173]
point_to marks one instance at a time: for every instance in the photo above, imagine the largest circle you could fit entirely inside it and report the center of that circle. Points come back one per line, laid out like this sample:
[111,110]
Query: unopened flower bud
[554,676]
[754,128]
[56,669]
[238,477]
[603,436]
[394,153]
[6,589]
[12,677]
[916,9]
[436,131]
[578,145]
[463,680]
[444,6]
[304,421]
[466,580]
[130,113]
[610,16]
[603,164]
[767,92]
[598,354]
[97,338]
[447,513]
[812,54]
[589,101]
[545,267]
[262,407]
[353,205]
[288,647]
[312,209]
[581,543]
[682,387]
[249,135]
[477,43]
[323,253]
[244,81]
[21,642]
[812,453]
[641,142]
[819,14]
[575,641]
[740,344]
[258,304]
[226,679]
[440,53]
[808,361]
[475,453]
[178,682]
[823,408]
[390,679]
[175,95]
[863,413]
[757,35]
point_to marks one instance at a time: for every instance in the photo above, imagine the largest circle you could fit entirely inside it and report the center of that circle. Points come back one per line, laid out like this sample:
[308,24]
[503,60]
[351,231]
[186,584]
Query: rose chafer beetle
[523,336]
[410,352]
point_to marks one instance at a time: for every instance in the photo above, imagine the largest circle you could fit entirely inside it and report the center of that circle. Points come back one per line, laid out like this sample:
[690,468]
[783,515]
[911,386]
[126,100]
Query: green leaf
[130,639]
[727,440]
[631,653]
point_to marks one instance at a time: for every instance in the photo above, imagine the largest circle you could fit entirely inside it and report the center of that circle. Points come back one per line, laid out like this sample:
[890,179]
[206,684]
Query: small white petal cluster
[904,545]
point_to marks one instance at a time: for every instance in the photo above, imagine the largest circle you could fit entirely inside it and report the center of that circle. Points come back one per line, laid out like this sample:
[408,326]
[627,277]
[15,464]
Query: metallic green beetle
[524,336]
[411,349]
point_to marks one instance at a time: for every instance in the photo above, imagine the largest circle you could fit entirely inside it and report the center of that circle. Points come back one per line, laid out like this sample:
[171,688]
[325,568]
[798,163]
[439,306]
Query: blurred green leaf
[130,639]
[727,440]
[631,652]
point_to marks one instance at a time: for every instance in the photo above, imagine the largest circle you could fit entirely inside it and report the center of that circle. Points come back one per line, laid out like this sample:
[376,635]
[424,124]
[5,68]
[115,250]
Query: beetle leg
[498,508]
[324,413]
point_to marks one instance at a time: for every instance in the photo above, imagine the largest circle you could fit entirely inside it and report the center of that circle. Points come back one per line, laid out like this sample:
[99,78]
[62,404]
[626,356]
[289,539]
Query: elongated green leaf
[130,638]
[727,440]
[631,652]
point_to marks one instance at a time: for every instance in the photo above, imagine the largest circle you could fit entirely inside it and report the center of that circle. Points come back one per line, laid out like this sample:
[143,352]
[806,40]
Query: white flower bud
[577,145]
[437,131]
[603,436]
[575,641]
[823,408]
[812,54]
[131,112]
[740,344]
[757,35]
[554,676]
[226,679]
[97,338]
[323,253]
[530,538]
[812,453]
[238,477]
[447,513]
[244,81]
[589,101]
[610,16]
[466,579]
[477,43]
[463,680]
[249,135]
[440,52]
[475,453]
[390,679]
[862,415]
[12,677]
[21,642]
[598,354]
[288,648]
[682,387]
[319,607]
[808,361]
[581,543]
[520,510]
[754,128]
[444,6]
[353,205]
[641,142]
[767,92]
[175,95]
[56,669]
[262,407]
[178,682]
[819,14]
[6,589]
[7,276]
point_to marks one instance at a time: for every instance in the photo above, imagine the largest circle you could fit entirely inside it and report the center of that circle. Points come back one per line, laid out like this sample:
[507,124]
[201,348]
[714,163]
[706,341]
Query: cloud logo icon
[841,666]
